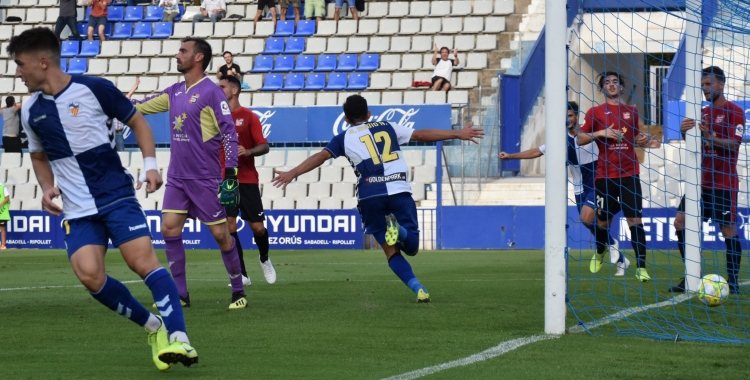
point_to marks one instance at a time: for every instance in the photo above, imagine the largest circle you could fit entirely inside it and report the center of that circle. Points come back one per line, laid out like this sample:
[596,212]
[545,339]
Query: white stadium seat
[410,26]
[388,27]
[347,28]
[440,8]
[390,62]
[414,97]
[398,9]
[400,44]
[319,190]
[419,9]
[391,97]
[342,190]
[271,191]
[401,81]
[372,97]
[326,28]
[307,203]
[244,29]
[494,24]
[430,26]
[368,27]
[336,45]
[452,25]
[296,190]
[421,44]
[283,203]
[473,25]
[10,160]
[283,99]
[357,45]
[377,10]
[379,45]
[304,99]
[461,8]
[482,7]
[330,174]
[315,45]
[331,203]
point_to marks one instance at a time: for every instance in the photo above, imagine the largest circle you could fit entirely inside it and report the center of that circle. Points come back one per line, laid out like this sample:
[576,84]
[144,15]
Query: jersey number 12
[370,141]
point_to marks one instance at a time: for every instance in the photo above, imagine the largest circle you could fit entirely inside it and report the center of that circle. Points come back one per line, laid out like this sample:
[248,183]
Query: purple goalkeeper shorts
[198,198]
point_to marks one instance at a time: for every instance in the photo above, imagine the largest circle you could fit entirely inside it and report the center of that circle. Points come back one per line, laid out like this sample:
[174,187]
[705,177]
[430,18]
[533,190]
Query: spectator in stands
[285,5]
[230,68]
[98,18]
[352,8]
[317,8]
[119,126]
[67,17]
[132,3]
[441,77]
[4,212]
[213,9]
[11,125]
[271,4]
[171,10]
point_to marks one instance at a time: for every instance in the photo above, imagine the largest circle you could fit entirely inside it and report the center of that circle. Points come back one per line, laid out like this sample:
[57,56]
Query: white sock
[153,323]
[179,336]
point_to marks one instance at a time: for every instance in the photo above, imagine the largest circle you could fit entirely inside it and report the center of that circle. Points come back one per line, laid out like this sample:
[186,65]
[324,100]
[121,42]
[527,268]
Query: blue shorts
[96,21]
[374,210]
[340,3]
[121,222]
[586,198]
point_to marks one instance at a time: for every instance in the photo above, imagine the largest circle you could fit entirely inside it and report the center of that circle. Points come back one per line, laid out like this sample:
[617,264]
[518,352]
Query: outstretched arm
[284,178]
[432,135]
[526,154]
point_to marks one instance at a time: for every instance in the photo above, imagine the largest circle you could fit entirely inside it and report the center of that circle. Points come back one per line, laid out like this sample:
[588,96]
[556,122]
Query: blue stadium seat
[294,46]
[122,30]
[70,49]
[114,14]
[64,65]
[305,28]
[305,63]
[315,82]
[284,64]
[77,66]
[84,27]
[336,82]
[284,28]
[142,30]
[153,13]
[162,30]
[88,13]
[326,62]
[358,81]
[294,82]
[273,82]
[274,46]
[89,49]
[133,13]
[369,62]
[347,62]
[182,12]
[262,64]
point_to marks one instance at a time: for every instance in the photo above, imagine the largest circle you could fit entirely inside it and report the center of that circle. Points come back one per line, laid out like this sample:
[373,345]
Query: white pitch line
[58,286]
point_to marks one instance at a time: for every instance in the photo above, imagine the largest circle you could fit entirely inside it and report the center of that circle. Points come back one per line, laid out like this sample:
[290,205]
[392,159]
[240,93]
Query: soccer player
[201,122]
[65,120]
[388,210]
[722,127]
[614,127]
[582,163]
[251,144]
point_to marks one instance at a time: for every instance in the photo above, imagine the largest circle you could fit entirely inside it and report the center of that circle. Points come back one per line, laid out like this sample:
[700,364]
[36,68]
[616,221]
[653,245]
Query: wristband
[149,163]
[230,173]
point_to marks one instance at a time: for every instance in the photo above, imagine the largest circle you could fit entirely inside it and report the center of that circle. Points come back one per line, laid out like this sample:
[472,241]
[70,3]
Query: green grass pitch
[331,315]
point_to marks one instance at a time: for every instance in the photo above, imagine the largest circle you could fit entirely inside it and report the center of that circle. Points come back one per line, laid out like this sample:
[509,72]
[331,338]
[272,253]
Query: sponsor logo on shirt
[74,107]
[626,115]
[37,119]
[739,130]
[239,123]
[719,119]
[387,178]
[194,98]
[225,108]
[179,121]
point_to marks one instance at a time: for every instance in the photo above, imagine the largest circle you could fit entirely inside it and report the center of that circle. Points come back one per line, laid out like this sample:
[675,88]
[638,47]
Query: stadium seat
[224,29]
[336,45]
[203,29]
[391,97]
[10,160]
[272,82]
[294,46]
[367,27]
[435,97]
[473,25]
[142,30]
[388,27]
[304,99]
[357,45]
[114,14]
[263,64]
[377,10]
[307,203]
[294,82]
[274,46]
[358,81]
[419,9]
[138,66]
[182,30]
[89,49]
[461,8]
[336,82]
[347,28]
[369,62]
[315,82]
[296,190]
[410,26]
[305,28]
[326,28]
[328,99]
[77,66]
[319,189]
[494,25]
[316,45]
[153,13]
[371,97]
[63,65]
[70,49]
[284,28]
[400,44]
[379,44]
[130,48]
[162,30]
[332,203]
[284,64]
[399,9]
[110,49]
[430,26]
[133,13]
[305,63]
[122,30]
[346,62]
[264,29]
[326,62]
[390,62]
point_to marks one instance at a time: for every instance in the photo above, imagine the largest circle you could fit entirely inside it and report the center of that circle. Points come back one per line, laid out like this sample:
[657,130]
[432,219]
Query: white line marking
[58,286]
[490,353]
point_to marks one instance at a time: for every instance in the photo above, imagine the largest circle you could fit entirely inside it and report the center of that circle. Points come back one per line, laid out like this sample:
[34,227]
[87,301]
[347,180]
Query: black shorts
[717,205]
[4,222]
[251,206]
[618,194]
[435,79]
[266,3]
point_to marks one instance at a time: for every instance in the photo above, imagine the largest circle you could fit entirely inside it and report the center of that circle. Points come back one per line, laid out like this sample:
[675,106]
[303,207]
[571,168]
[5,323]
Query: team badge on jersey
[239,122]
[719,119]
[626,115]
[225,108]
[194,98]
[74,108]
[740,130]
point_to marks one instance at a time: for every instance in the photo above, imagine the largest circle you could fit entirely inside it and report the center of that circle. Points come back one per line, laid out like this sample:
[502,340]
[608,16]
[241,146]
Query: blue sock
[408,242]
[117,298]
[402,269]
[167,299]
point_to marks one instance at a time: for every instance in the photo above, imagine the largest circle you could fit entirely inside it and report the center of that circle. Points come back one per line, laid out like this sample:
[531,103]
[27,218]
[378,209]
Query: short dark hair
[201,47]
[716,71]
[603,76]
[446,48]
[355,109]
[36,40]
[573,106]
[227,52]
[10,101]
[233,81]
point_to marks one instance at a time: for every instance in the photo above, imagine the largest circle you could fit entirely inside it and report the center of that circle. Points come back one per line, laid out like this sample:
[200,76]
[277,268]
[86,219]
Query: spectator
[4,212]
[171,9]
[441,77]
[230,68]
[119,126]
[352,8]
[67,17]
[132,3]
[285,5]
[98,18]
[317,7]
[11,126]
[213,9]
[271,8]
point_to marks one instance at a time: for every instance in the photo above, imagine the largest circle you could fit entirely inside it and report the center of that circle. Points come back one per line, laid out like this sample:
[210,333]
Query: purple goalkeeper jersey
[200,121]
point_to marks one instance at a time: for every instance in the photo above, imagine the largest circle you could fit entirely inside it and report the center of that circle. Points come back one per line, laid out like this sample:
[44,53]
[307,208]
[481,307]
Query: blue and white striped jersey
[374,153]
[582,163]
[71,127]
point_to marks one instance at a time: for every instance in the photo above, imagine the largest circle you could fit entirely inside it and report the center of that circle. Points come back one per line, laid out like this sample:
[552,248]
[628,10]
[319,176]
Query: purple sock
[176,260]
[232,263]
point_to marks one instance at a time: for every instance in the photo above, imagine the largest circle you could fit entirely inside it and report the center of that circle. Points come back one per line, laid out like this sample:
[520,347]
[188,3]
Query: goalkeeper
[201,122]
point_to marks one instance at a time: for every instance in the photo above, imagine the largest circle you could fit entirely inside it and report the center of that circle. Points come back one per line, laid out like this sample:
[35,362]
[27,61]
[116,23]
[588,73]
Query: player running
[201,123]
[65,121]
[615,128]
[251,144]
[388,210]
[722,127]
[582,164]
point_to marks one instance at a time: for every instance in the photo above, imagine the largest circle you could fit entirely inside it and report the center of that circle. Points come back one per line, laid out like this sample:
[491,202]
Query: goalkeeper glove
[229,193]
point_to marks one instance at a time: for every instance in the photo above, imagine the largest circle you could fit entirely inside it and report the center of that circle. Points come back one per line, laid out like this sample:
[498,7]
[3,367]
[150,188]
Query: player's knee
[92,281]
[258,229]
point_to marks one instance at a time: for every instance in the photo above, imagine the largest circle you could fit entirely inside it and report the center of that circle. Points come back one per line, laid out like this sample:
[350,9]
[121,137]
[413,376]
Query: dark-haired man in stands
[230,68]
[67,17]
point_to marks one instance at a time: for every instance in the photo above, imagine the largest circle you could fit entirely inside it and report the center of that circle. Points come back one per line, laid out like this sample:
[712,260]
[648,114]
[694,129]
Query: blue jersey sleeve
[336,146]
[114,104]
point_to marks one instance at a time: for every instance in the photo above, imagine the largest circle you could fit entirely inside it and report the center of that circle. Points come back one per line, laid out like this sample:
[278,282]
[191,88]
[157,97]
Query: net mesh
[646,46]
